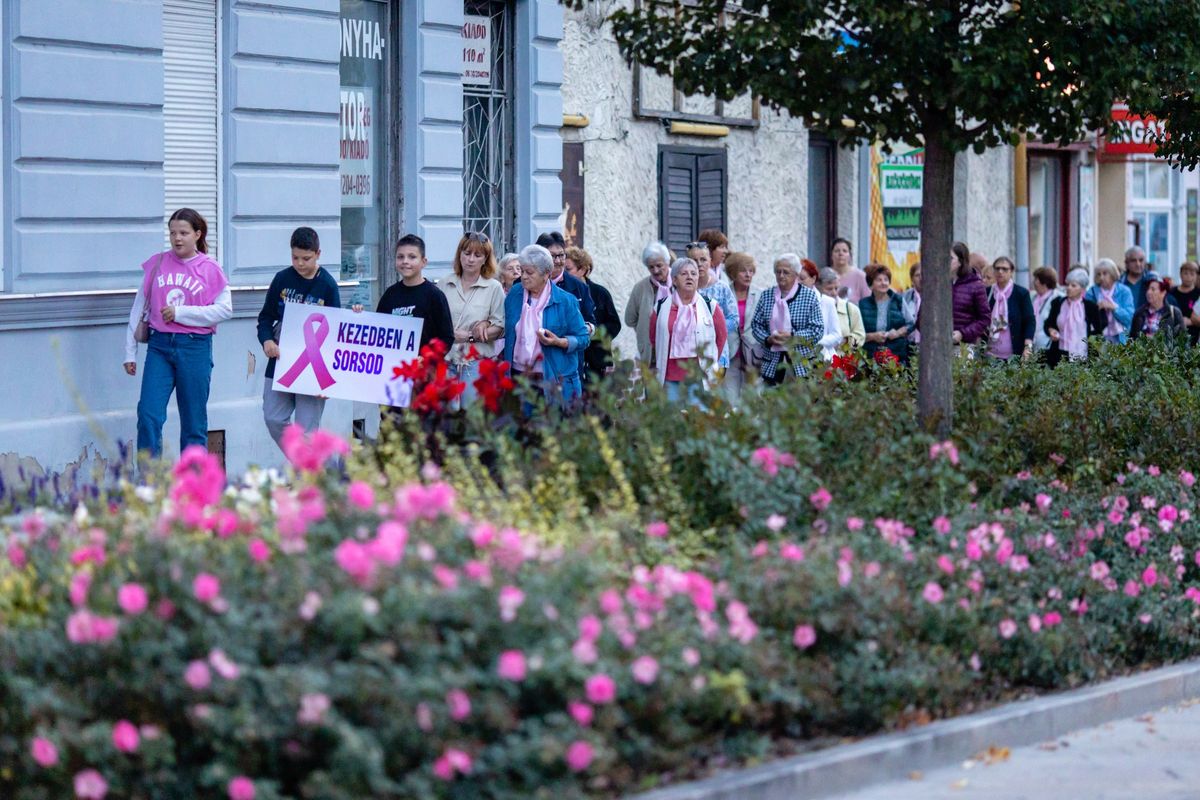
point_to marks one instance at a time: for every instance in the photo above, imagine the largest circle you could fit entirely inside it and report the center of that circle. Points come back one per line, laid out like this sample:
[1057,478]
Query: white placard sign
[477,51]
[336,352]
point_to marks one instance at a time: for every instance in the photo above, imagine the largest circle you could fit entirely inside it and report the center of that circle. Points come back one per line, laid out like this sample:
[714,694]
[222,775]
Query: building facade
[356,117]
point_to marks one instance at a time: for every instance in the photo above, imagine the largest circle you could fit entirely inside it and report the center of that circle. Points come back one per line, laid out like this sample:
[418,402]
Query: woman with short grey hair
[647,293]
[508,270]
[687,330]
[1072,320]
[1113,298]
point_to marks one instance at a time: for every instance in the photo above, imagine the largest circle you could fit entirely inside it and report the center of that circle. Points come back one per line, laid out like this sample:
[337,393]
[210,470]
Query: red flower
[433,386]
[884,357]
[847,365]
[493,383]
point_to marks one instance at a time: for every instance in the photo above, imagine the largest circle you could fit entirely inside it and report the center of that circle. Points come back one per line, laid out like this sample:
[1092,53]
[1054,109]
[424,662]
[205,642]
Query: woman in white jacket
[1045,290]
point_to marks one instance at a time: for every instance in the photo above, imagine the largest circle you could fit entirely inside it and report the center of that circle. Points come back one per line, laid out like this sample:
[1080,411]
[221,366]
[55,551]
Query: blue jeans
[181,363]
[468,373]
[565,393]
[676,392]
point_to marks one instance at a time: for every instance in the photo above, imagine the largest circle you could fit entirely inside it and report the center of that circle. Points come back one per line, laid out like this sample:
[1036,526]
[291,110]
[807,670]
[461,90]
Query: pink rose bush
[361,635]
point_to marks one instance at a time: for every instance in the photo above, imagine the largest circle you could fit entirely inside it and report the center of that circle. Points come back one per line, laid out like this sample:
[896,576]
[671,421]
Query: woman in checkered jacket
[788,322]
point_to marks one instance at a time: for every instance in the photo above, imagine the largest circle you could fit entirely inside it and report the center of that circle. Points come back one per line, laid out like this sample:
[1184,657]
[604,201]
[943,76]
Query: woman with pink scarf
[687,331]
[1012,314]
[1114,299]
[544,329]
[1073,319]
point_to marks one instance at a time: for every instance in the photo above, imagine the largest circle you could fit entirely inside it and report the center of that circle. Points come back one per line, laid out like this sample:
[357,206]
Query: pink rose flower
[1008,628]
[1051,619]
[90,785]
[511,665]
[645,670]
[44,752]
[259,551]
[820,499]
[510,599]
[1150,575]
[582,713]
[197,675]
[933,593]
[1035,623]
[132,599]
[206,587]
[355,561]
[312,708]
[241,788]
[223,665]
[451,762]
[600,689]
[579,756]
[125,736]
[361,495]
[804,637]
[459,704]
[657,530]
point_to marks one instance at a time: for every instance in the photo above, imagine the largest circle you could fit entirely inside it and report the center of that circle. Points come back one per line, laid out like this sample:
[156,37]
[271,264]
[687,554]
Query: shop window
[190,111]
[1049,242]
[488,121]
[1150,212]
[822,197]
[692,191]
[363,147]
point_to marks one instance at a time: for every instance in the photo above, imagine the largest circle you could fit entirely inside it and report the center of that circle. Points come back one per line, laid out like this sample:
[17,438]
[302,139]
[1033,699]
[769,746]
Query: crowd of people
[696,312]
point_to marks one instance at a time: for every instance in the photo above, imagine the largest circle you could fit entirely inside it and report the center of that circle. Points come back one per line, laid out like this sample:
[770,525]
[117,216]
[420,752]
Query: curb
[893,756]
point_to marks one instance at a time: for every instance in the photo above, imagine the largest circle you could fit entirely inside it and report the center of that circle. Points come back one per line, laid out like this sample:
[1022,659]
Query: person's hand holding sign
[271,349]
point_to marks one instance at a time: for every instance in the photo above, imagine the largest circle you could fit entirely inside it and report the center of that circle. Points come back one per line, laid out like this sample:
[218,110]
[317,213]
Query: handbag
[142,332]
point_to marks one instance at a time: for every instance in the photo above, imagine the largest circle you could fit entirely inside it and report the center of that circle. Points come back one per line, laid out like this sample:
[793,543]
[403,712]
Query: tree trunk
[935,386]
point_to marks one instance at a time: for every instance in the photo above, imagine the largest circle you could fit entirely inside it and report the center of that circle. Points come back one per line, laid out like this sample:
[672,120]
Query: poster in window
[357,145]
[897,183]
[477,51]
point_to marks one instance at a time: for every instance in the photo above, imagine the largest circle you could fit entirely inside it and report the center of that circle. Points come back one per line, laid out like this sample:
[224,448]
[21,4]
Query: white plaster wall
[983,202]
[768,169]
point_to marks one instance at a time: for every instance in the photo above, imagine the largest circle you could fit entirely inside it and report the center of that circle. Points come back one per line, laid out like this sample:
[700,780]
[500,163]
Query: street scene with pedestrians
[599,399]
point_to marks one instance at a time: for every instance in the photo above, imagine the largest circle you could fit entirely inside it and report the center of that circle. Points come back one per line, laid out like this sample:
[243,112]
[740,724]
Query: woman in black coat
[1157,316]
[1013,324]
[1067,331]
[597,358]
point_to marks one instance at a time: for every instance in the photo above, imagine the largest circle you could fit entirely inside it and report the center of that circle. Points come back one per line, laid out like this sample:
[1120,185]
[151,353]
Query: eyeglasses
[482,238]
[696,246]
[559,256]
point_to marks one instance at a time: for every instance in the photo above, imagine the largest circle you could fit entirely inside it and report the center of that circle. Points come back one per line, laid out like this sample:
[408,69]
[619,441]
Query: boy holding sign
[414,296]
[308,283]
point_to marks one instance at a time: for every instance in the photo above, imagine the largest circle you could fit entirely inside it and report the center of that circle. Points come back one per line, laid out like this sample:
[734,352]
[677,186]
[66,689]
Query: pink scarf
[527,350]
[1113,328]
[1072,325]
[683,334]
[1000,306]
[662,291]
[781,318]
[1039,301]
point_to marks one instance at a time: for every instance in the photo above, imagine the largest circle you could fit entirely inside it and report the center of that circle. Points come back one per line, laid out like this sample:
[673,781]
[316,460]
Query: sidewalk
[1150,757]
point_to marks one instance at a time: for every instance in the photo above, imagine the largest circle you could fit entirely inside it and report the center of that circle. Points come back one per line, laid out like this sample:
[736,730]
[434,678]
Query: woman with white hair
[1113,298]
[508,270]
[686,330]
[647,293]
[789,323]
[544,331]
[1072,320]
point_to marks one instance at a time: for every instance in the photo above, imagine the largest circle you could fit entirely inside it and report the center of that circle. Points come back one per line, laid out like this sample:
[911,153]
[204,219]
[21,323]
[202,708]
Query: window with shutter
[822,197]
[190,110]
[693,184]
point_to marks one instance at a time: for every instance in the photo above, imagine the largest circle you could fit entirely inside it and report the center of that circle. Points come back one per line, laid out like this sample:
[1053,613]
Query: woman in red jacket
[972,315]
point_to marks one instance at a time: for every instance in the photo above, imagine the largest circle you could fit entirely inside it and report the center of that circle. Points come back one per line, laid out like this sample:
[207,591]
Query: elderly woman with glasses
[1113,298]
[1072,320]
[544,331]
[508,271]
[788,322]
[647,293]
[1013,319]
[686,330]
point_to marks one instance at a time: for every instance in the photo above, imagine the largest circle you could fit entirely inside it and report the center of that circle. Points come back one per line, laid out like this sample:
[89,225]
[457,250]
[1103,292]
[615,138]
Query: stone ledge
[848,768]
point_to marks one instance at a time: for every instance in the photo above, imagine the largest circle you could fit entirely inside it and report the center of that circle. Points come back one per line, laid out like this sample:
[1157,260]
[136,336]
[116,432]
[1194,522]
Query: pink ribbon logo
[314,337]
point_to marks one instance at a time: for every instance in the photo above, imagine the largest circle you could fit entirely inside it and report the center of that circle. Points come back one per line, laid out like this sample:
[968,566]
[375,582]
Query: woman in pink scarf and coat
[687,330]
[1072,320]
[544,329]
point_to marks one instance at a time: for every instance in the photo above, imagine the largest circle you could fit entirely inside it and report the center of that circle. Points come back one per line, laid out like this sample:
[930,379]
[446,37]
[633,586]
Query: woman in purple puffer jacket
[972,315]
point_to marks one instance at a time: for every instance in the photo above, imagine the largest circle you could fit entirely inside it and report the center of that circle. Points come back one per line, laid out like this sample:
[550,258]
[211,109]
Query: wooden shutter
[711,192]
[190,109]
[677,199]
[693,189]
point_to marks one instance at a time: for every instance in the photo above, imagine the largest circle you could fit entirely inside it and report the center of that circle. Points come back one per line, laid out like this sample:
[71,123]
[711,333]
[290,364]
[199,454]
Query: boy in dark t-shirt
[308,283]
[414,296]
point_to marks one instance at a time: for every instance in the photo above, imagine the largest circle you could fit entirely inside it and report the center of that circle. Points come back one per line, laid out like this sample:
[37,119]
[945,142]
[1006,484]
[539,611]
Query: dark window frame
[822,142]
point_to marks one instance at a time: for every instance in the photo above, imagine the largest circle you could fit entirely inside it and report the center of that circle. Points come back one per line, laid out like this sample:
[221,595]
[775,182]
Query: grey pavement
[1155,756]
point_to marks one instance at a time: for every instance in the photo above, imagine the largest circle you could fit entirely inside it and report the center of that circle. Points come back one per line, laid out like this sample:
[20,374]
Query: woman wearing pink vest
[183,295]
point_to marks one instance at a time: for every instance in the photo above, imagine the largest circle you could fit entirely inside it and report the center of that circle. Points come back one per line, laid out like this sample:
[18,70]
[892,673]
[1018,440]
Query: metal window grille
[488,205]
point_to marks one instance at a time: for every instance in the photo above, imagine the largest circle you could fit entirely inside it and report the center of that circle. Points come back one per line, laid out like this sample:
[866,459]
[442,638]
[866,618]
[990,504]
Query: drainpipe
[1021,211]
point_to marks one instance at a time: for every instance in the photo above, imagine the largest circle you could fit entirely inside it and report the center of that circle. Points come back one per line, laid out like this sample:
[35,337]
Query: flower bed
[362,639]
